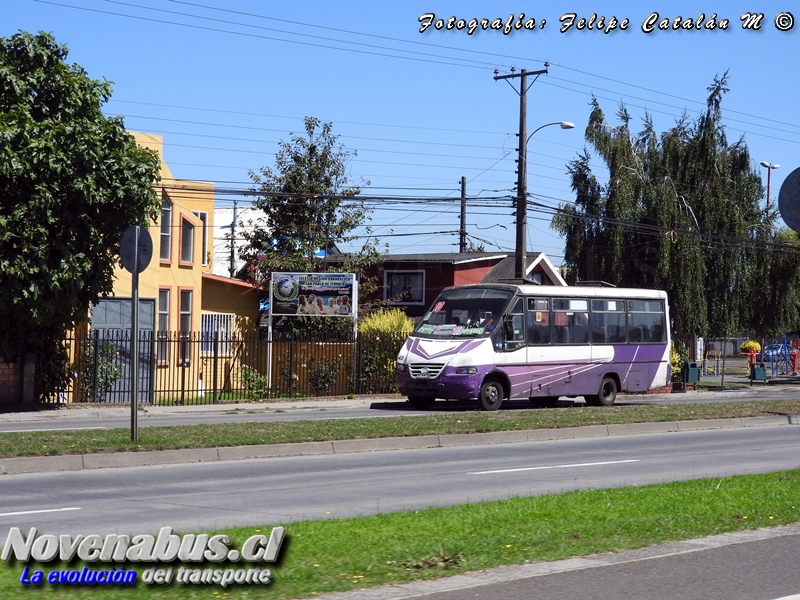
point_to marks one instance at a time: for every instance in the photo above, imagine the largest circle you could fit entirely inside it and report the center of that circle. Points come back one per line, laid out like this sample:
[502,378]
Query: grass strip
[339,555]
[51,443]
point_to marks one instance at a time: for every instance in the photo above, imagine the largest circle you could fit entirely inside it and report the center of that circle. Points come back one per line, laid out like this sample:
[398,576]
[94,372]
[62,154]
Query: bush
[254,383]
[323,373]
[677,358]
[98,370]
[381,334]
[388,322]
[750,344]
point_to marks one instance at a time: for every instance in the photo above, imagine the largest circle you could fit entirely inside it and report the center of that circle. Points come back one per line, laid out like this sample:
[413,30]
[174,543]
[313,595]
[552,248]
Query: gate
[104,359]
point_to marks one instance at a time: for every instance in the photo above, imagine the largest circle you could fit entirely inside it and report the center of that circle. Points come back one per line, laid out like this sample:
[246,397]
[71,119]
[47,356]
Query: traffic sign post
[136,250]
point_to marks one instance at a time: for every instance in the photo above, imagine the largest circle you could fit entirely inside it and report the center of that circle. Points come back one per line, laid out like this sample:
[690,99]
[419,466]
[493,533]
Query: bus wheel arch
[492,393]
[606,393]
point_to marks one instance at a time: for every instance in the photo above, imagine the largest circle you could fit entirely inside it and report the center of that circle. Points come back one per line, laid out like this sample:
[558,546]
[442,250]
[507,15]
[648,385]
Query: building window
[187,242]
[163,326]
[166,227]
[185,326]
[203,216]
[404,287]
[219,327]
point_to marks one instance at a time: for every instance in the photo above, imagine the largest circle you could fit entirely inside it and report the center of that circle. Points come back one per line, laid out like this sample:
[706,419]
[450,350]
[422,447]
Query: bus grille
[426,370]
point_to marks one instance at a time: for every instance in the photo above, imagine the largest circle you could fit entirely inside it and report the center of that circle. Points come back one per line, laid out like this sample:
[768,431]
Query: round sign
[136,248]
[789,200]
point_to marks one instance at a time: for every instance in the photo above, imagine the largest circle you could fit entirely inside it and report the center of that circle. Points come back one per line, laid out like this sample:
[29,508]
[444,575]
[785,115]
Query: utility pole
[768,167]
[462,229]
[520,260]
[232,267]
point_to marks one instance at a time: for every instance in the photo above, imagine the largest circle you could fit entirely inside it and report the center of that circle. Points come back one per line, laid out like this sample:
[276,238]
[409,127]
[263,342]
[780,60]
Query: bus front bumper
[448,386]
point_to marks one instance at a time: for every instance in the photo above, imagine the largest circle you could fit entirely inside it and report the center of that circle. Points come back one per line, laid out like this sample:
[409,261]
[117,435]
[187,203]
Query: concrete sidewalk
[74,411]
[70,411]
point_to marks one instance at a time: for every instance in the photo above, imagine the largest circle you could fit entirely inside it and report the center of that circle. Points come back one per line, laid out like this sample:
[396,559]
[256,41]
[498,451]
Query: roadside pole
[136,250]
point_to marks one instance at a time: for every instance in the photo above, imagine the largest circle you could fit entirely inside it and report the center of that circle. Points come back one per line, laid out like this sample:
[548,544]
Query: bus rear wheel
[421,402]
[606,395]
[491,395]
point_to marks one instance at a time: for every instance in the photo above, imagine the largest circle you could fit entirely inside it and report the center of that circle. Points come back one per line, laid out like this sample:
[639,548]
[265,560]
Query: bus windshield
[473,312]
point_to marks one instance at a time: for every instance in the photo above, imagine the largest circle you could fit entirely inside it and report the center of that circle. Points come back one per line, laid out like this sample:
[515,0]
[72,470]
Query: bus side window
[538,321]
[580,331]
[650,319]
[515,332]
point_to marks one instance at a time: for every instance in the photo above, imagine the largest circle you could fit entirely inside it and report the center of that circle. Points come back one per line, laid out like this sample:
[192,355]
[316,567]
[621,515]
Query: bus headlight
[401,368]
[466,370]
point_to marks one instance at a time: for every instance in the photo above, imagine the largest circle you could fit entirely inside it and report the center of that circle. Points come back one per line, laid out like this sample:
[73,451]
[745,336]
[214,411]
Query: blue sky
[223,82]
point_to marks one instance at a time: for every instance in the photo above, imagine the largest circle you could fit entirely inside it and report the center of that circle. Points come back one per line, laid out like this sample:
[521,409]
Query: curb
[79,462]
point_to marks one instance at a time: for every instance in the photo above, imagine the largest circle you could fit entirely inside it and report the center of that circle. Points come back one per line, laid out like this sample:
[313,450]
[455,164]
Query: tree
[680,212]
[473,247]
[309,205]
[71,182]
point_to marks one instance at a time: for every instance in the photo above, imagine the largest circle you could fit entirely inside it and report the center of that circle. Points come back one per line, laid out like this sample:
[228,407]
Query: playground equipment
[712,370]
[783,362]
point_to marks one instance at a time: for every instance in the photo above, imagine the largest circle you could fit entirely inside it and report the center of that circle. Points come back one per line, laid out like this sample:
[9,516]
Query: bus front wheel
[420,402]
[491,395]
[606,395]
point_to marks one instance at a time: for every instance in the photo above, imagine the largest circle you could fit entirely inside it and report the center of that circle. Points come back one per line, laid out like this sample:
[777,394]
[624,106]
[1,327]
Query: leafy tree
[309,204]
[71,182]
[473,247]
[680,212]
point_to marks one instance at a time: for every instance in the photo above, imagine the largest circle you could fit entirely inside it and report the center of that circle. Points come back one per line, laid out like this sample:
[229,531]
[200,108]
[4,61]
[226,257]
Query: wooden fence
[196,368]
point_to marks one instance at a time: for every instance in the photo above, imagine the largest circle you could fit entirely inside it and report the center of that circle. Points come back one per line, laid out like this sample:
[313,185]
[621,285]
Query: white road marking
[794,597]
[34,512]
[594,464]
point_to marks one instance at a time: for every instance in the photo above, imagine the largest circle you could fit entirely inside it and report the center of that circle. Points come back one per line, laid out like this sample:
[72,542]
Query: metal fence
[199,368]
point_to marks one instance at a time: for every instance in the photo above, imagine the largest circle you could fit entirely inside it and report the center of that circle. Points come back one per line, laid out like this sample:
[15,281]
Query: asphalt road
[282,490]
[277,491]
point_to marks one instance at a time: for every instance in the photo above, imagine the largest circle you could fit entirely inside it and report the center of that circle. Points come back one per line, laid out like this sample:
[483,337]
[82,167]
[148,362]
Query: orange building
[182,305]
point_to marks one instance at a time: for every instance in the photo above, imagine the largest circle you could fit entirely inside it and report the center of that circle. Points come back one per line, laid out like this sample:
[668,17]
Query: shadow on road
[455,406]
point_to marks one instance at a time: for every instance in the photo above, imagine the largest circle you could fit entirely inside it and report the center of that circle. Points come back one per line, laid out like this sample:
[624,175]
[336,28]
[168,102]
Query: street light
[521,259]
[769,168]
[562,124]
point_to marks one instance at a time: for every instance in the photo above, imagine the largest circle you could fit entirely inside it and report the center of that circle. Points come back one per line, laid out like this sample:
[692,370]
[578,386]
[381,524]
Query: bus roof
[568,291]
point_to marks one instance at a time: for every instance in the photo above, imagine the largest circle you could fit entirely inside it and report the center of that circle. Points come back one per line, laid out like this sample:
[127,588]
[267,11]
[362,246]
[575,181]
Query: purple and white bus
[493,342]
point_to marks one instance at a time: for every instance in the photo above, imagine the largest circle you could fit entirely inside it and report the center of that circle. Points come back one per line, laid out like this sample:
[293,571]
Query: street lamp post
[521,259]
[769,168]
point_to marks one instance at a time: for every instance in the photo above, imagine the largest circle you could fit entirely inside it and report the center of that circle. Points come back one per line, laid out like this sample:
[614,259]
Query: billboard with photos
[313,294]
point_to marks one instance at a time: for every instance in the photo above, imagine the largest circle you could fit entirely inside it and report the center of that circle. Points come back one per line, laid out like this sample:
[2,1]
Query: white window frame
[162,350]
[165,246]
[215,322]
[387,295]
[187,242]
[185,313]
[203,216]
